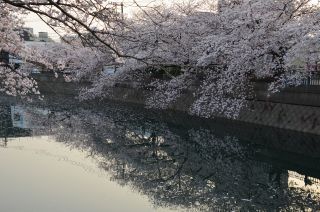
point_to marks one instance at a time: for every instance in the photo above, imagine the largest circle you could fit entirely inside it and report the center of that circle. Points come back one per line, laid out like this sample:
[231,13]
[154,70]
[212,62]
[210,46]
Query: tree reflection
[8,129]
[192,168]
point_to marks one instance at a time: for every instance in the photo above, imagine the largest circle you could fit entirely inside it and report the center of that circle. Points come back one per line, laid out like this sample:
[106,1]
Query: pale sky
[38,25]
[31,180]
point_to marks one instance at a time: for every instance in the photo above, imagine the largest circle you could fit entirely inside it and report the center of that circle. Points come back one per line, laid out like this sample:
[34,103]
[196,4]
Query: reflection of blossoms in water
[175,166]
[227,145]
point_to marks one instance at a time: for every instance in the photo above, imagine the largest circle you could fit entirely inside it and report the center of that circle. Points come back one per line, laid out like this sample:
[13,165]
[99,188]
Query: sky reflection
[39,174]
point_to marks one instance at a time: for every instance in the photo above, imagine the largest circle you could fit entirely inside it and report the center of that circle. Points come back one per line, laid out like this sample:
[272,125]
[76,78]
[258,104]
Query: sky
[38,25]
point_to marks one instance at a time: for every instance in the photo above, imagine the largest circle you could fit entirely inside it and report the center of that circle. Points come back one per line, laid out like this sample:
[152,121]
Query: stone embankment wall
[295,109]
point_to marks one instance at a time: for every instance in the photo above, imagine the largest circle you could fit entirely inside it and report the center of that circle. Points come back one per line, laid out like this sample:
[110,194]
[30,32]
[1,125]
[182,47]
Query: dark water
[59,155]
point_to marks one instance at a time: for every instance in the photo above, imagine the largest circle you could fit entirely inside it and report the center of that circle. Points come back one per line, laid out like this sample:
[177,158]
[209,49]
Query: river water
[62,155]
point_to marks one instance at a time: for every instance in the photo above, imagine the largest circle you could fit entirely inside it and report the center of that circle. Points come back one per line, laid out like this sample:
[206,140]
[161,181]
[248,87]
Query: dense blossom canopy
[217,55]
[225,51]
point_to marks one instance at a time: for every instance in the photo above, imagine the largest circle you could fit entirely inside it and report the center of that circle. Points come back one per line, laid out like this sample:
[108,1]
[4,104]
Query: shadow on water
[181,161]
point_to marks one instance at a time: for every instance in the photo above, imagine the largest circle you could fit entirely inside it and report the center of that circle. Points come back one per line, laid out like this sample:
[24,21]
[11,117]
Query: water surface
[59,155]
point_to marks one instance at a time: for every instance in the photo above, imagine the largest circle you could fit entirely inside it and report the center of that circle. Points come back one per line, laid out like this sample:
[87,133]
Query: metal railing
[298,176]
[313,80]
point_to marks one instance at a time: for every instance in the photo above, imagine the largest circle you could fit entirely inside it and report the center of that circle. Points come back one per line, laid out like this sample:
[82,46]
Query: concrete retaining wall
[285,116]
[295,109]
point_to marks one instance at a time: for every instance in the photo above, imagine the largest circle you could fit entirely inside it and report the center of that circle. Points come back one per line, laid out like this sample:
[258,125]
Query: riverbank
[296,109]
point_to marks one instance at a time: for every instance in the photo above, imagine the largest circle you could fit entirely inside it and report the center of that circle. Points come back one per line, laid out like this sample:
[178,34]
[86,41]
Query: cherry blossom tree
[222,52]
[246,41]
[256,40]
[75,60]
[94,22]
[13,80]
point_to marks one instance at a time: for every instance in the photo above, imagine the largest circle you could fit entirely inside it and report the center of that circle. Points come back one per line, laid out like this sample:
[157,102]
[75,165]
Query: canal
[62,155]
